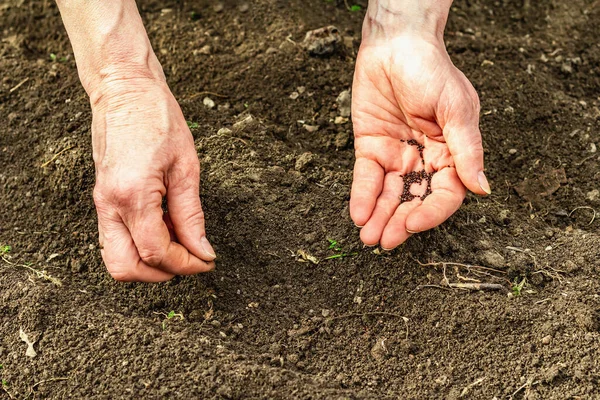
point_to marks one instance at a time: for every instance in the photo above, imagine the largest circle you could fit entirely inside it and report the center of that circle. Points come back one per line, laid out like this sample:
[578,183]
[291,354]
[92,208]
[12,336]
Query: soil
[271,322]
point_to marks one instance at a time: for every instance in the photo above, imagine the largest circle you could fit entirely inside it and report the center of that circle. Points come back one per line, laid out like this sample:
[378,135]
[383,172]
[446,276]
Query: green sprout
[355,8]
[334,245]
[194,16]
[192,125]
[54,57]
[518,286]
[5,249]
[170,315]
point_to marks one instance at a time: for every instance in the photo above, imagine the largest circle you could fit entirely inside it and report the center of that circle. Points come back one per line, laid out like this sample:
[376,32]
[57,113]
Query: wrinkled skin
[144,151]
[406,89]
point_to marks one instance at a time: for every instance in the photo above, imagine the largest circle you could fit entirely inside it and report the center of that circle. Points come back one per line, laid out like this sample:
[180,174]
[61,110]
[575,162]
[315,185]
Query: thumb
[464,142]
[186,213]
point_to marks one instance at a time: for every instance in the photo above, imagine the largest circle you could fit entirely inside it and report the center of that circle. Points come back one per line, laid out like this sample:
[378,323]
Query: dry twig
[18,85]
[39,273]
[585,208]
[44,381]
[56,156]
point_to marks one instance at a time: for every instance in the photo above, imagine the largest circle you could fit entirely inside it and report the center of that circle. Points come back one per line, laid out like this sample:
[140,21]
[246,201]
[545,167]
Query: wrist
[110,44]
[117,77]
[388,20]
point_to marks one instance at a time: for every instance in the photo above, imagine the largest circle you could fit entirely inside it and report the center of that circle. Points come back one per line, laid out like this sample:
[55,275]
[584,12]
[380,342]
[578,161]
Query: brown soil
[265,324]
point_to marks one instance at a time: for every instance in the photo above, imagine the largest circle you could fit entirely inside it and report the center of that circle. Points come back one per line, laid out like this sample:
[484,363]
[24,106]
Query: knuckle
[151,256]
[195,218]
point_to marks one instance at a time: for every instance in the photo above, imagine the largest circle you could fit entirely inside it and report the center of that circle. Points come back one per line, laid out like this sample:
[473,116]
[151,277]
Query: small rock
[208,103]
[493,259]
[294,95]
[549,233]
[215,323]
[244,7]
[304,161]
[244,123]
[570,266]
[379,350]
[224,131]
[323,41]
[512,151]
[325,313]
[344,101]
[340,120]
[593,195]
[546,339]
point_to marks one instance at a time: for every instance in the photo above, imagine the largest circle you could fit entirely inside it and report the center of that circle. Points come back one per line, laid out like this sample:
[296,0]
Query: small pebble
[304,161]
[208,103]
[344,102]
[546,339]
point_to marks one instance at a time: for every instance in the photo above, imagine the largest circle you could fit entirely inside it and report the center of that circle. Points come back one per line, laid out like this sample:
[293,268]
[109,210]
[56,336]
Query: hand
[408,89]
[144,151]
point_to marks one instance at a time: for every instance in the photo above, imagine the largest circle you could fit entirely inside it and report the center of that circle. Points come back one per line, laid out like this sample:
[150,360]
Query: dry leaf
[30,350]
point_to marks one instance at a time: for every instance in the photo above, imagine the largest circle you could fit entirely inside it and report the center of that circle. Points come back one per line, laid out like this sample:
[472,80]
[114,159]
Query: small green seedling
[355,8]
[54,57]
[518,286]
[333,245]
[170,315]
[192,125]
[194,16]
[5,249]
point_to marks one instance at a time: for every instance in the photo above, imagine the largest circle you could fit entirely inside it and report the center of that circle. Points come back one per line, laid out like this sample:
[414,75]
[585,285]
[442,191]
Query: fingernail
[370,245]
[358,226]
[411,232]
[207,247]
[483,183]
[384,249]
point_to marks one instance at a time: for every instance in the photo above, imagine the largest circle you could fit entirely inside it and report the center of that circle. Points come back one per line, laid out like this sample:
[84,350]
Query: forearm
[110,43]
[389,19]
